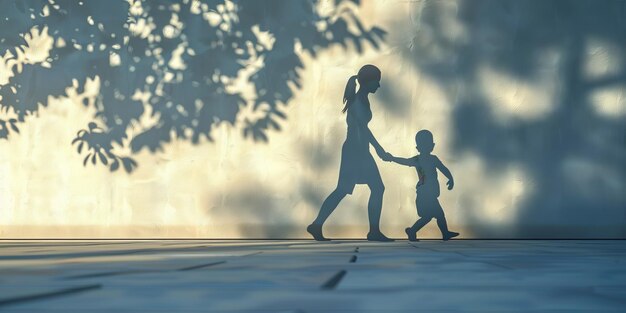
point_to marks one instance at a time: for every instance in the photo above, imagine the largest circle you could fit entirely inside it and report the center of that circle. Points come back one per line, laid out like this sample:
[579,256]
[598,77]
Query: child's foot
[450,235]
[377,236]
[411,234]
[316,232]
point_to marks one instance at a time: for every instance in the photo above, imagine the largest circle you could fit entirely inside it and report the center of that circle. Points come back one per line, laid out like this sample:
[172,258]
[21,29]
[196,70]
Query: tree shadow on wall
[175,63]
[573,151]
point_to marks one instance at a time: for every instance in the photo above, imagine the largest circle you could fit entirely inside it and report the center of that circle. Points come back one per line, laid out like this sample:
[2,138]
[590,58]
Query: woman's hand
[384,155]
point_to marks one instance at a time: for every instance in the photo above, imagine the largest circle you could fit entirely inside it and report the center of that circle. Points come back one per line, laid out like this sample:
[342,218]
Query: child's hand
[450,184]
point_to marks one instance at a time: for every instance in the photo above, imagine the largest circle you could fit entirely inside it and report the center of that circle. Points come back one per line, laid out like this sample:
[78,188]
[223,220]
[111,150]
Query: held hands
[384,155]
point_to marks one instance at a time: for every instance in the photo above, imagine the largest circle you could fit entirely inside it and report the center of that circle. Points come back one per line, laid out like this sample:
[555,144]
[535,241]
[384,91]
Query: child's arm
[412,162]
[403,161]
[446,172]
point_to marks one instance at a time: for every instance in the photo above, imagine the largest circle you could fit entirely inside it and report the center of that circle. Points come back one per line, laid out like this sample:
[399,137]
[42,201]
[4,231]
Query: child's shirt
[428,184]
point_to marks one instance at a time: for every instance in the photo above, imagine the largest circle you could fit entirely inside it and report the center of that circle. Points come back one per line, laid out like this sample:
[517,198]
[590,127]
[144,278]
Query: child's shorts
[428,207]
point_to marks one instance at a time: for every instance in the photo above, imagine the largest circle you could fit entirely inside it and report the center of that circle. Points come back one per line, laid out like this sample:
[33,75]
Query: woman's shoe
[411,234]
[316,232]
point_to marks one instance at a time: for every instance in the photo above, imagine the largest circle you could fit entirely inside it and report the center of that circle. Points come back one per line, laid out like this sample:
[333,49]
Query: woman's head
[369,80]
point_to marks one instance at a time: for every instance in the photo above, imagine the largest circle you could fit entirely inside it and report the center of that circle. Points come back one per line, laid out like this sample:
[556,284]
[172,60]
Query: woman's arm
[362,124]
[379,149]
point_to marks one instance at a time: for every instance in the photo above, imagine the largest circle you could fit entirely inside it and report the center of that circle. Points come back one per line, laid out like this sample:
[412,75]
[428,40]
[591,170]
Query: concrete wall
[526,101]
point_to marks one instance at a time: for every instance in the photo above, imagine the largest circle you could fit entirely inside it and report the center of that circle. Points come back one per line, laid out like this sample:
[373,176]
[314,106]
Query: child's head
[424,141]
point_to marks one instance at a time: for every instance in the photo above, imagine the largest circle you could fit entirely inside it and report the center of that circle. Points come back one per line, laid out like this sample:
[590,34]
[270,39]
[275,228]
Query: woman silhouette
[357,164]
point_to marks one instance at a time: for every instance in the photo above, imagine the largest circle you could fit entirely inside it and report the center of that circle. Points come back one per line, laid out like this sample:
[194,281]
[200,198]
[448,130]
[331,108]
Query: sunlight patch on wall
[36,51]
[610,102]
[513,98]
[6,65]
[38,46]
[602,59]
[493,198]
[37,162]
[603,63]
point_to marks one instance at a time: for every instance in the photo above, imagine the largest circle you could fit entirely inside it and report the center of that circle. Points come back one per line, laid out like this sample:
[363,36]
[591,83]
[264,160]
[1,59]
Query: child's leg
[443,226]
[441,221]
[424,218]
[420,223]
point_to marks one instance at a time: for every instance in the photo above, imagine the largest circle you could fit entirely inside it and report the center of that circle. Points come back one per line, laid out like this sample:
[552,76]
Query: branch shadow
[177,62]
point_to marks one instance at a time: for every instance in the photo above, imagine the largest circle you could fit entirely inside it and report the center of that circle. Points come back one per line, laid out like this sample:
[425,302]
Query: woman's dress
[357,164]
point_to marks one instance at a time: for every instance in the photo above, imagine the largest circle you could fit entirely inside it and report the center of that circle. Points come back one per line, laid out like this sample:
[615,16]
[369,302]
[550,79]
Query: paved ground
[307,276]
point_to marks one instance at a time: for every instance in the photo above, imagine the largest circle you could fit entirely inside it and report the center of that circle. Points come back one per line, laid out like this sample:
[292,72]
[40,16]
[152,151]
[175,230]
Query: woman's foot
[377,236]
[411,234]
[450,235]
[316,232]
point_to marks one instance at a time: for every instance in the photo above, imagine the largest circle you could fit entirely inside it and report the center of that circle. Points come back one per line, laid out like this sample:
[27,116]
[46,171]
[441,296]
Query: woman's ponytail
[349,93]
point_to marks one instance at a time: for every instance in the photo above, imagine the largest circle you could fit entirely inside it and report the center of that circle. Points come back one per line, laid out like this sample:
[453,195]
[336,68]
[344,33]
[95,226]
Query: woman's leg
[375,206]
[329,205]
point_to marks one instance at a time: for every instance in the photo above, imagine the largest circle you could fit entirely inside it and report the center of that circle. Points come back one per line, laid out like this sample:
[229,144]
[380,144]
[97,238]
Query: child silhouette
[427,204]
